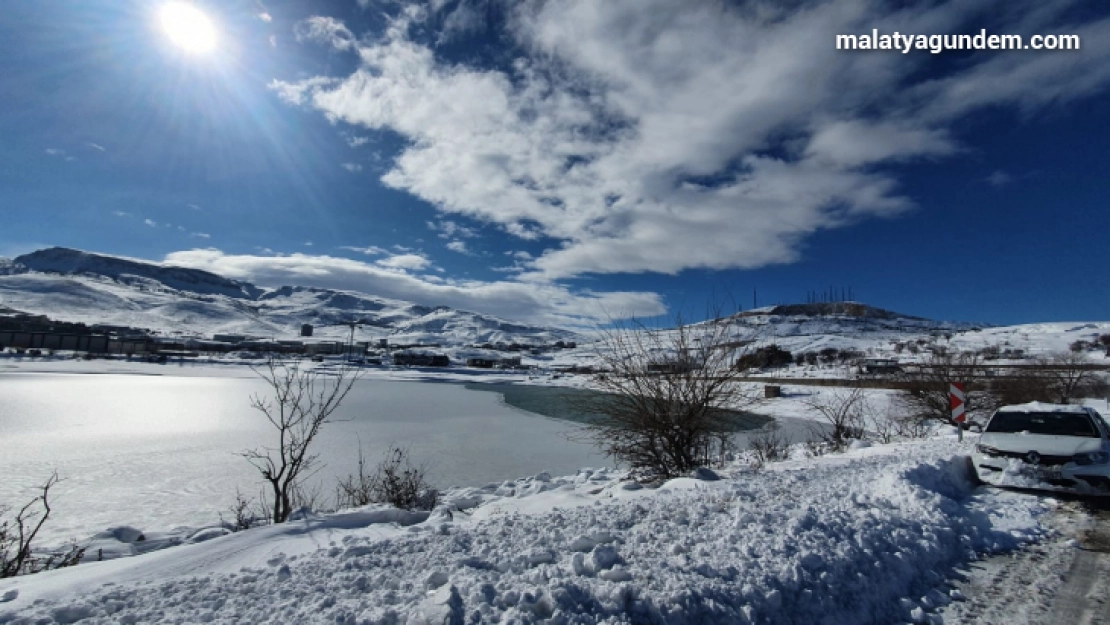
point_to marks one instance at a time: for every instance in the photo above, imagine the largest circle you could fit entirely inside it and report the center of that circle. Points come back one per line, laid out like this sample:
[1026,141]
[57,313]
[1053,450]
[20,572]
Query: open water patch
[574,404]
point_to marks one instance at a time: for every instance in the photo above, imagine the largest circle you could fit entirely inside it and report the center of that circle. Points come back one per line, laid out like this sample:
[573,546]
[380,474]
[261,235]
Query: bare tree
[926,394]
[17,536]
[844,412]
[1057,378]
[300,403]
[667,398]
[1070,376]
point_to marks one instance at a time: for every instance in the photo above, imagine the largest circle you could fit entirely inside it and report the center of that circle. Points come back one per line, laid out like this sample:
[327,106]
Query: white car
[1038,445]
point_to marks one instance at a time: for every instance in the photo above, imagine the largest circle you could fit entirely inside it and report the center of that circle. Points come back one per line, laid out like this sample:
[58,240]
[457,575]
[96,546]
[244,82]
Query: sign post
[957,401]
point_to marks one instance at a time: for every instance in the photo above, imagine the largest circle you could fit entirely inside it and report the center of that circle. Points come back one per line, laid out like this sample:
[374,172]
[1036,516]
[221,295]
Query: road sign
[957,401]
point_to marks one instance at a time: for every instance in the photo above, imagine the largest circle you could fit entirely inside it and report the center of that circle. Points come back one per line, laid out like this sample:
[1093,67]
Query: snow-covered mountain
[72,285]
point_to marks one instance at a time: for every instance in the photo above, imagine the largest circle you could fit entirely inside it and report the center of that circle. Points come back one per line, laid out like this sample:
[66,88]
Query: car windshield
[1049,423]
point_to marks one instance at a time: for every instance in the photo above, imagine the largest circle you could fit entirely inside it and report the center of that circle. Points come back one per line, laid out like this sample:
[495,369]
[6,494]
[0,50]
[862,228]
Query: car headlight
[1091,457]
[986,449]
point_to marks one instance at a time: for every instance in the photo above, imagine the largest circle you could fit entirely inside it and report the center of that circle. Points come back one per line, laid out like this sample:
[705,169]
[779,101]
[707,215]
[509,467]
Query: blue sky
[561,161]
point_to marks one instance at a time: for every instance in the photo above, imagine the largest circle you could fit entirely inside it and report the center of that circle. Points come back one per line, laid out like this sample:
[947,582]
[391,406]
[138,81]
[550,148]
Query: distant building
[306,329]
[879,365]
[420,359]
[673,366]
[326,347]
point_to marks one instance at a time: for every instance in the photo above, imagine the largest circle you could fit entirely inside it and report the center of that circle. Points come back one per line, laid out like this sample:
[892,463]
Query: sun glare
[188,27]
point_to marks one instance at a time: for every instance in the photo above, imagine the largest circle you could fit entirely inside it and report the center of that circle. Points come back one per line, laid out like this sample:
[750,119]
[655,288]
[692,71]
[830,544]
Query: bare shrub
[769,445]
[882,428]
[301,402]
[395,481]
[816,447]
[909,425]
[244,513]
[18,555]
[667,399]
[357,489]
[844,412]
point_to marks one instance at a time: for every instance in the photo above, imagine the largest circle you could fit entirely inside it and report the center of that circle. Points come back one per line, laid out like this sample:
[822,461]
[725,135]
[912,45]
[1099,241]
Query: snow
[878,534]
[870,536]
[161,453]
[1036,406]
[71,285]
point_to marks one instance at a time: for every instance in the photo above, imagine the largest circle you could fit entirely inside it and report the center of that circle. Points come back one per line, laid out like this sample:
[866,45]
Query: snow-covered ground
[872,536]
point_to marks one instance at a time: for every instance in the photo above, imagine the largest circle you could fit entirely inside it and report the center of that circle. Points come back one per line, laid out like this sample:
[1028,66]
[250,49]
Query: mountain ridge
[75,285]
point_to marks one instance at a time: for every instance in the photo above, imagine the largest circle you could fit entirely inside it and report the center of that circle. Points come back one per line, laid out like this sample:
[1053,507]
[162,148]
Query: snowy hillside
[72,285]
[841,325]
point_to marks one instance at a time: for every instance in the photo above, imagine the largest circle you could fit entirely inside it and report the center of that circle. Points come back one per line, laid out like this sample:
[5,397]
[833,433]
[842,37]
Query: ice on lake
[157,452]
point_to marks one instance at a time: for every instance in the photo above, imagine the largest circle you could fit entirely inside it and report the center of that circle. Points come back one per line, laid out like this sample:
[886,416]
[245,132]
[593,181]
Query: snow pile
[866,537]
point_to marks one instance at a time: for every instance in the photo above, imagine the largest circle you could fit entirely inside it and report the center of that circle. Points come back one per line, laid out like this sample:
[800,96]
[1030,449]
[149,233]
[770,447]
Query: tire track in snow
[1085,593]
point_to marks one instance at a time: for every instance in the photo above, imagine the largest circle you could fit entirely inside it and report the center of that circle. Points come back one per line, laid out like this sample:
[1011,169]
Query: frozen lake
[157,452]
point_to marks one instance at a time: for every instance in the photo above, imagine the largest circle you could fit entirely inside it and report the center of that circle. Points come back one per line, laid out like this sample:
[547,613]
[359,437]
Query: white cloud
[405,262]
[327,30]
[448,229]
[96,147]
[460,247]
[151,223]
[532,303]
[121,213]
[352,167]
[652,135]
[201,235]
[55,152]
[194,207]
[265,17]
[372,250]
[999,178]
[297,93]
[467,17]
[355,140]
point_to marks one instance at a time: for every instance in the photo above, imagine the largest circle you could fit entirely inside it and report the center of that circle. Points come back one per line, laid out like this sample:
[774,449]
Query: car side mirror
[975,427]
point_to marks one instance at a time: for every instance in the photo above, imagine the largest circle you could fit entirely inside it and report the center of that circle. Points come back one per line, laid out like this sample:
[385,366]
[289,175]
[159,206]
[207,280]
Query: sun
[188,27]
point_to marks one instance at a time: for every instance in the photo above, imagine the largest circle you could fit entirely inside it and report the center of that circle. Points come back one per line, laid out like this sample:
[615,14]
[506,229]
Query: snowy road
[1063,579]
[1085,595]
